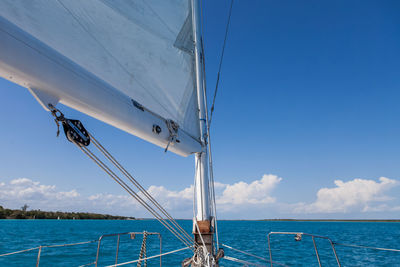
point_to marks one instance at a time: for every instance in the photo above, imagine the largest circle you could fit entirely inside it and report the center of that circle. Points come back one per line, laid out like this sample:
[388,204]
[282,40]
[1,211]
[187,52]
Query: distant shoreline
[121,218]
[331,220]
[24,214]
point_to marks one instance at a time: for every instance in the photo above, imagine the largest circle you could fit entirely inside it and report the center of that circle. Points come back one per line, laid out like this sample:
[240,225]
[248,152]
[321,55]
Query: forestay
[142,48]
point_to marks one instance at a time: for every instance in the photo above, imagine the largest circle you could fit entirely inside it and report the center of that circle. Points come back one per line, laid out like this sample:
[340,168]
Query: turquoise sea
[250,236]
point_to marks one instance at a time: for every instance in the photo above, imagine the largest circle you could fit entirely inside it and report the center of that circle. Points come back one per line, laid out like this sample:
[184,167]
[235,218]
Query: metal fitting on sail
[137,105]
[173,132]
[73,129]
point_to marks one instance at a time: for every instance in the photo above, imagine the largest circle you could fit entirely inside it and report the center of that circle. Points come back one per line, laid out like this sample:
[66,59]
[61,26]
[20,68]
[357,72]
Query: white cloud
[354,195]
[256,192]
[395,208]
[23,190]
[178,202]
[238,200]
[110,201]
[26,189]
[23,181]
[17,192]
[218,185]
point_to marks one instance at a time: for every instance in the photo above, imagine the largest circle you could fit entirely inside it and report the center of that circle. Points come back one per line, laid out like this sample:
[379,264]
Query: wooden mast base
[206,233]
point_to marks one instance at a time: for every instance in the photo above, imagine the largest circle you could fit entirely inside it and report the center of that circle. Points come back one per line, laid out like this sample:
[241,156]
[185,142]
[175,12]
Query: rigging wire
[175,228]
[212,193]
[138,185]
[220,62]
[208,137]
[117,179]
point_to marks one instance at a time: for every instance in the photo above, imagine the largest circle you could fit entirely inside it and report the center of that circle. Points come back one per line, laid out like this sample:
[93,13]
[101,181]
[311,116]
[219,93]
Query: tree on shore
[24,207]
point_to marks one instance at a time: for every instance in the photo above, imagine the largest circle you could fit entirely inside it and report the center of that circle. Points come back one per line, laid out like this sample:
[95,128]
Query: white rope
[244,252]
[246,263]
[72,244]
[20,251]
[48,246]
[204,248]
[199,260]
[360,246]
[148,258]
[88,264]
[252,255]
[201,237]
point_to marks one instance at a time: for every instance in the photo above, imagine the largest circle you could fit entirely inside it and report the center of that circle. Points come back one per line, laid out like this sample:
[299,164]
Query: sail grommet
[156,129]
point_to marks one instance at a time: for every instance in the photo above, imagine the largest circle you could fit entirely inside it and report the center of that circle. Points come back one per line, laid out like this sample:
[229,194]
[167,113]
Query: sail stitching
[158,16]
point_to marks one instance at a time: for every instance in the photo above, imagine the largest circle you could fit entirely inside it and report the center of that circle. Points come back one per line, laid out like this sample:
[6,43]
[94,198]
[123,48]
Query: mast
[202,219]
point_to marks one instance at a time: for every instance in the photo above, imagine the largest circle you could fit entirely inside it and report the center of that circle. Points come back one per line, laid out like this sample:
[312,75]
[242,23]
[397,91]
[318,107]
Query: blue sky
[308,95]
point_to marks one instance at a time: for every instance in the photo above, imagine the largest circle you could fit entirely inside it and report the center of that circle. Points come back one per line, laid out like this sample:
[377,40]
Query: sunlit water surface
[250,236]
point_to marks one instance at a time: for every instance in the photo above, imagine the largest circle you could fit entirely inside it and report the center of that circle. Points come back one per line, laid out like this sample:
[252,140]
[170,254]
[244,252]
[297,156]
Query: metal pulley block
[73,129]
[75,132]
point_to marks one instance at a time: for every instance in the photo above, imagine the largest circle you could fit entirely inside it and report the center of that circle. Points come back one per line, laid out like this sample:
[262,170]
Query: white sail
[143,49]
